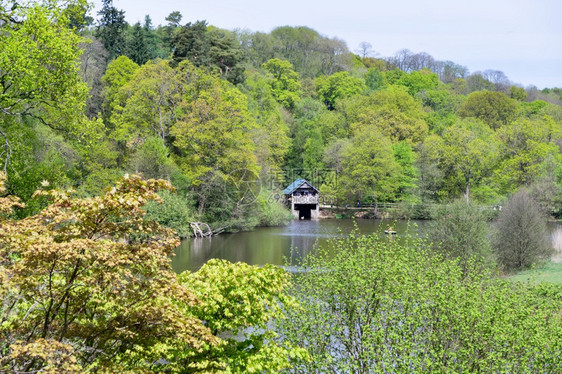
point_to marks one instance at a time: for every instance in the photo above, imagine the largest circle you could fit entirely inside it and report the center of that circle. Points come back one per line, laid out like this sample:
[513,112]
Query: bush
[520,237]
[374,305]
[461,230]
[175,212]
[271,212]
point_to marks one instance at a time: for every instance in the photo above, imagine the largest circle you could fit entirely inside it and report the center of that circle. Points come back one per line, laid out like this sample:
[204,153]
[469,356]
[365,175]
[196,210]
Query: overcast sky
[522,38]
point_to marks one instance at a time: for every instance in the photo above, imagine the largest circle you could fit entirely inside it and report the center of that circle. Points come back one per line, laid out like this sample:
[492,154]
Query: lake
[273,245]
[276,245]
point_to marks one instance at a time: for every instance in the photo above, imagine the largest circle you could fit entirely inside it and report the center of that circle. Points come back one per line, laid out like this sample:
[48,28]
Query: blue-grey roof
[296,184]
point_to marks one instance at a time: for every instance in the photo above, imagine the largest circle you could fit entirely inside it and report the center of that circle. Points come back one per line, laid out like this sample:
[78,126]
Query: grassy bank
[547,272]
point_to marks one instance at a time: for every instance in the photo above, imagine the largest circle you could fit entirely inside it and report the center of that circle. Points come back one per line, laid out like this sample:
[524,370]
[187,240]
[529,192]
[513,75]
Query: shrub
[461,230]
[175,212]
[374,305]
[520,237]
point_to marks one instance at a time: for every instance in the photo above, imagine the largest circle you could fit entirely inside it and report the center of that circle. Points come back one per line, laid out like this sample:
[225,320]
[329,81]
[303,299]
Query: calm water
[273,245]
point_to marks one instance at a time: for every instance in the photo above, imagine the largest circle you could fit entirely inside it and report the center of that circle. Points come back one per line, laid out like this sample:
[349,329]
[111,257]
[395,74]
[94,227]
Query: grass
[547,272]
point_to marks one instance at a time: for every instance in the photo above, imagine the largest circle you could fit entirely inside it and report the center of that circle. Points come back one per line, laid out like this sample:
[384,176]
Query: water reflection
[273,245]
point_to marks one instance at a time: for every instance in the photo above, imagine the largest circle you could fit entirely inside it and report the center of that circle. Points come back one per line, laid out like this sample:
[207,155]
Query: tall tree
[465,155]
[396,113]
[284,82]
[111,29]
[338,86]
[493,108]
[370,170]
[137,47]
[38,72]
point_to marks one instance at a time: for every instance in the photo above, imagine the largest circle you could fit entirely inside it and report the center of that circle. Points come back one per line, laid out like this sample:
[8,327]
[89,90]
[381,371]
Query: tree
[523,145]
[310,53]
[284,82]
[212,137]
[337,86]
[191,43]
[520,238]
[517,93]
[430,177]
[365,49]
[137,48]
[397,114]
[370,170]
[210,47]
[477,82]
[418,81]
[38,72]
[374,79]
[93,278]
[111,29]
[93,63]
[117,75]
[271,136]
[406,158]
[225,54]
[461,231]
[493,108]
[148,104]
[242,301]
[465,155]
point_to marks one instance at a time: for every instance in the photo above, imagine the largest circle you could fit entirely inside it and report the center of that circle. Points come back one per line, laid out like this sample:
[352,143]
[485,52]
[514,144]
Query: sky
[522,38]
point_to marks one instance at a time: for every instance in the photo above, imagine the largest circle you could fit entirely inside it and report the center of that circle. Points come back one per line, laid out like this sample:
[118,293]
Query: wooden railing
[305,199]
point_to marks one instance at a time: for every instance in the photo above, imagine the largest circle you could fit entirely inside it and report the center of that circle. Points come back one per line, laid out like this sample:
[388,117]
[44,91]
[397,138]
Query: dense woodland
[86,98]
[113,134]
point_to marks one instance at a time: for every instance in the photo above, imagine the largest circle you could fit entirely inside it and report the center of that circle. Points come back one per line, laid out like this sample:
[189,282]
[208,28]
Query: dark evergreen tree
[191,43]
[111,29]
[137,48]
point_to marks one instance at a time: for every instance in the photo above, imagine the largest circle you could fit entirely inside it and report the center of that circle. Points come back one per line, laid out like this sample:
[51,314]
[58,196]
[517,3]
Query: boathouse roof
[299,183]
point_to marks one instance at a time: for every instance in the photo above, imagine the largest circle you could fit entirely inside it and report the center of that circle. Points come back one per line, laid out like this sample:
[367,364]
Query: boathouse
[303,199]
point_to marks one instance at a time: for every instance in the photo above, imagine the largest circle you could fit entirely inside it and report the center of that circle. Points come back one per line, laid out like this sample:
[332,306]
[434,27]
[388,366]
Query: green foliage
[418,81]
[239,302]
[208,46]
[270,210]
[212,135]
[520,238]
[117,75]
[405,157]
[284,82]
[375,305]
[148,103]
[374,79]
[397,114]
[174,211]
[337,86]
[517,93]
[74,274]
[464,154]
[39,70]
[271,135]
[461,230]
[137,48]
[152,160]
[111,29]
[523,145]
[310,53]
[369,168]
[493,108]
